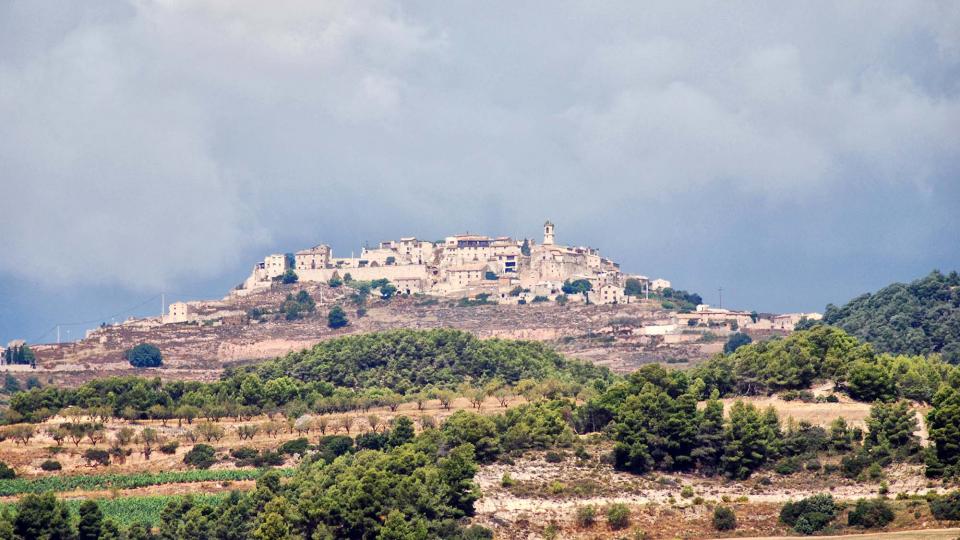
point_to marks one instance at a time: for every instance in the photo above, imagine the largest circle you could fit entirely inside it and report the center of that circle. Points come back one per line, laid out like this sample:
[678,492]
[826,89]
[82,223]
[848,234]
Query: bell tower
[548,233]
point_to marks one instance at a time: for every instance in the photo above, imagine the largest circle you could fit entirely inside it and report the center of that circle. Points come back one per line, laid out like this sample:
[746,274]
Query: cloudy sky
[793,153]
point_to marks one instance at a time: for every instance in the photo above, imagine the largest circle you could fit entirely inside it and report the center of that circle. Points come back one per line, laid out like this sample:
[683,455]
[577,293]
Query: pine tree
[709,448]
[91,521]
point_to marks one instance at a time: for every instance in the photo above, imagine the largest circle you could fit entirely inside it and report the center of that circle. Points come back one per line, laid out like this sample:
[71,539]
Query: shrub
[51,465]
[244,453]
[144,355]
[96,456]
[618,516]
[586,516]
[169,448]
[724,519]
[810,515]
[6,472]
[686,492]
[506,480]
[787,466]
[295,446]
[870,514]
[946,507]
[337,318]
[553,457]
[201,456]
[332,446]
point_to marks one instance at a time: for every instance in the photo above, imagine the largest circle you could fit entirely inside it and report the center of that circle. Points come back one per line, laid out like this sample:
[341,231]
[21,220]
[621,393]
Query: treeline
[825,353]
[656,425]
[349,373]
[922,317]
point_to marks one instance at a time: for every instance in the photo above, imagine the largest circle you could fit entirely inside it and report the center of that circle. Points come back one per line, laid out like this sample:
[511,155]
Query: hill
[920,317]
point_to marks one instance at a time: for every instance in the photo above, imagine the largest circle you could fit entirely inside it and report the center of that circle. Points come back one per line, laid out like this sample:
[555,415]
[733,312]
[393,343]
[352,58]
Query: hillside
[920,317]
[608,335]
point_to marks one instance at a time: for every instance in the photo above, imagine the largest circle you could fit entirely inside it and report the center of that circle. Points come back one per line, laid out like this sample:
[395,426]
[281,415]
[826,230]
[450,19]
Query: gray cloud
[153,144]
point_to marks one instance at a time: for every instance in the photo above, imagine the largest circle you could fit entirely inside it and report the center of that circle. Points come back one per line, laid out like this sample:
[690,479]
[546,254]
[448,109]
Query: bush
[295,446]
[870,514]
[332,446]
[810,515]
[337,318]
[6,472]
[95,456]
[144,355]
[686,492]
[201,456]
[169,448]
[244,453]
[618,516]
[787,466]
[553,457]
[724,519]
[946,507]
[586,516]
[51,465]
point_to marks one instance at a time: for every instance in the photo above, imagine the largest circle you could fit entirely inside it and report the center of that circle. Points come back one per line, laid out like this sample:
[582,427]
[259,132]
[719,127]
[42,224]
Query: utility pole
[721,296]
[163,305]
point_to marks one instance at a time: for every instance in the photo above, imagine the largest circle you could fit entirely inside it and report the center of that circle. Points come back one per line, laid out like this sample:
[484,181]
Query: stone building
[314,258]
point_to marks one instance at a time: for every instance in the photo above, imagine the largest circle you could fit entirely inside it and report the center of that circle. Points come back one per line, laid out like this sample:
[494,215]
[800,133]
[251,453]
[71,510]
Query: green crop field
[128,510]
[61,484]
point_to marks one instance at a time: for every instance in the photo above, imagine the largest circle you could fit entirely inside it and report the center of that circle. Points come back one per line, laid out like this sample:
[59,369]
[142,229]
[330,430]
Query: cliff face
[610,335]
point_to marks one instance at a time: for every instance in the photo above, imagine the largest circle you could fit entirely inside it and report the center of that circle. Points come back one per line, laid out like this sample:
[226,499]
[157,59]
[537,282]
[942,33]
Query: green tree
[43,516]
[289,277]
[91,521]
[464,427]
[144,355]
[736,341]
[747,438]
[710,436]
[943,422]
[337,318]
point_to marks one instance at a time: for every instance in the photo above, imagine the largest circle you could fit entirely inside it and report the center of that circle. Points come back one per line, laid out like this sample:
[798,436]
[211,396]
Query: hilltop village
[497,270]
[464,265]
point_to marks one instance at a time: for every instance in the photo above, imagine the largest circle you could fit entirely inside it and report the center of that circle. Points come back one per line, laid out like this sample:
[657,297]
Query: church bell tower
[548,233]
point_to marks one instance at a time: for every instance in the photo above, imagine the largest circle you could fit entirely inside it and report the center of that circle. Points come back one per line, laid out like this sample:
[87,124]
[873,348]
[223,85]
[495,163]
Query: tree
[710,436]
[10,384]
[43,516]
[576,286]
[736,341]
[633,287]
[387,291]
[868,381]
[464,427]
[91,521]
[747,441]
[892,428]
[148,439]
[944,425]
[337,318]
[144,355]
[289,277]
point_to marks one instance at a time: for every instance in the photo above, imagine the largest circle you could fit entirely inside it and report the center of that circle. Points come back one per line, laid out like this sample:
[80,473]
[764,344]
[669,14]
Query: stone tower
[548,233]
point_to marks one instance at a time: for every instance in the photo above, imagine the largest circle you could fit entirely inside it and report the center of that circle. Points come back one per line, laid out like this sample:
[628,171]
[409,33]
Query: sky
[793,154]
